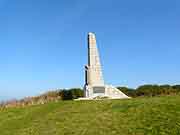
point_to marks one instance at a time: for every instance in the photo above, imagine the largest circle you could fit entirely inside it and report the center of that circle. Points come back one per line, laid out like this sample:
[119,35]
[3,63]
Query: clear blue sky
[43,43]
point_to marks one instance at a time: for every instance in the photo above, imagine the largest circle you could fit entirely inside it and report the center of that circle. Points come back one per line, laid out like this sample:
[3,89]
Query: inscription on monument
[98,89]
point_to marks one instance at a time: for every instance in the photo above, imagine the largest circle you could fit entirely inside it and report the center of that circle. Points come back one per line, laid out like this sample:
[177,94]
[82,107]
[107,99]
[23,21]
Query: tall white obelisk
[94,82]
[95,77]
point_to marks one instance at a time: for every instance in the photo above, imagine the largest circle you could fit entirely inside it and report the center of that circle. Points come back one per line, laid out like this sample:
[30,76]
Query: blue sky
[43,43]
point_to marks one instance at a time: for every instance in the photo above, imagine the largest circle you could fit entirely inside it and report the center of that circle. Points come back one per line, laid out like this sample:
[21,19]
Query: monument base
[107,91]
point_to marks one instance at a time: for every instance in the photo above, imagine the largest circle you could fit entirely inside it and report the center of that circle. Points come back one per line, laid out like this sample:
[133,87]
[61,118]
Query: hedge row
[151,90]
[70,94]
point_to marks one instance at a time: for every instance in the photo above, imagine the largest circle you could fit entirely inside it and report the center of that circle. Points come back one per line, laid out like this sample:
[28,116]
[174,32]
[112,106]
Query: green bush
[71,94]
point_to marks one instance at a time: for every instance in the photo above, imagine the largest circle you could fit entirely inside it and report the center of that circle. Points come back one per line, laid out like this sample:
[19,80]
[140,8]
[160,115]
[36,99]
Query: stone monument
[94,83]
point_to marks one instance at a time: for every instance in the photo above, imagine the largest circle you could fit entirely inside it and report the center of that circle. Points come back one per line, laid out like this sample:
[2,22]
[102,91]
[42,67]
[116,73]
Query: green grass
[140,116]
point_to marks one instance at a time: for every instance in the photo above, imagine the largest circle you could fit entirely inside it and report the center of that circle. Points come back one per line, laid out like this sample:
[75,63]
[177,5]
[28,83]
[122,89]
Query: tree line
[151,90]
[74,93]
[50,96]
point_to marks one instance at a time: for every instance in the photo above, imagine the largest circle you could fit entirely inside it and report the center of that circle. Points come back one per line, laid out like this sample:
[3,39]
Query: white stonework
[94,85]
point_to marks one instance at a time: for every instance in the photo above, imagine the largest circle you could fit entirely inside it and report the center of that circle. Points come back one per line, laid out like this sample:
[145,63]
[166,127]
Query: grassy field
[140,116]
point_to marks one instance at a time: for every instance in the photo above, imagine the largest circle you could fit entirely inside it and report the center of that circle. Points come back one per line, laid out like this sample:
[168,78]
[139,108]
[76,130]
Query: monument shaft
[94,72]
